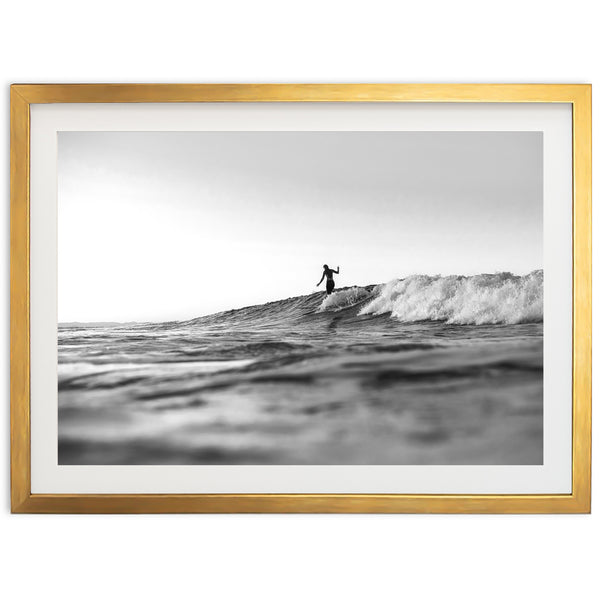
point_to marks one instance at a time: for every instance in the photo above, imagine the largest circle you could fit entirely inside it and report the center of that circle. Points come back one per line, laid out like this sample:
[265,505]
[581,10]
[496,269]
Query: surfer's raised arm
[338,270]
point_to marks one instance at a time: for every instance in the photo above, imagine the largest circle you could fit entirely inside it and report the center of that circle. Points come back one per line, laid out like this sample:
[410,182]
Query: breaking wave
[344,299]
[487,299]
[467,300]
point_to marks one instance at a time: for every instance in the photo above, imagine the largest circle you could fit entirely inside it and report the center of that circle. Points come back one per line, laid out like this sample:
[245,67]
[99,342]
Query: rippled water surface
[295,382]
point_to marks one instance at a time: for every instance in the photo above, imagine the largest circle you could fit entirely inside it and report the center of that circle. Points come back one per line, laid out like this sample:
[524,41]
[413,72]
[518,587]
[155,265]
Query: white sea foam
[343,299]
[472,300]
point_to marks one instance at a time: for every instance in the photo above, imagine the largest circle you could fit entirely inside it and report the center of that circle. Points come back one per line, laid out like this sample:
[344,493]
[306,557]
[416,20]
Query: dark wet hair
[325,267]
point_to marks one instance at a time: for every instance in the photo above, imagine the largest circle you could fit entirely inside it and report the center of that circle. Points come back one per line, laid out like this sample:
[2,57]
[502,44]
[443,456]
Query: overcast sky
[160,226]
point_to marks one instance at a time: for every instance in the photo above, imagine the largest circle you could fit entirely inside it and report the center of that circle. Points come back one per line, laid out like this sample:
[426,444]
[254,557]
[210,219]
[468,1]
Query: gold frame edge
[23,501]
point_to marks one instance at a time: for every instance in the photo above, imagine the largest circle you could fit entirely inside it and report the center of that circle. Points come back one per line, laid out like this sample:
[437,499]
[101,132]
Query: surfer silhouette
[327,272]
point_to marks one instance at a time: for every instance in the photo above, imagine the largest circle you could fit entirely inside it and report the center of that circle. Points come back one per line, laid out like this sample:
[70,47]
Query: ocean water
[420,370]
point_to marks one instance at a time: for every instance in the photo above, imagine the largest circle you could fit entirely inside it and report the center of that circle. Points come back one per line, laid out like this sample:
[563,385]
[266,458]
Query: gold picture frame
[23,501]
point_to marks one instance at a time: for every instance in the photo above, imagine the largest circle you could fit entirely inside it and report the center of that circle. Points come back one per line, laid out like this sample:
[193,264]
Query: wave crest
[467,300]
[343,299]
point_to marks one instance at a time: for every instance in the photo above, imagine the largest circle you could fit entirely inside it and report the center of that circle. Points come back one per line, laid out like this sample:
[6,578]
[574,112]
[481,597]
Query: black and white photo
[300,298]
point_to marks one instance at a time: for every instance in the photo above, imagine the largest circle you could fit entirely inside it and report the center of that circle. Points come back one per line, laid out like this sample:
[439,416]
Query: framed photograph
[301,298]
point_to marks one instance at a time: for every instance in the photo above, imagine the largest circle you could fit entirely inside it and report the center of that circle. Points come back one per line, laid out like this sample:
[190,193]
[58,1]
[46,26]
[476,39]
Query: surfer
[327,272]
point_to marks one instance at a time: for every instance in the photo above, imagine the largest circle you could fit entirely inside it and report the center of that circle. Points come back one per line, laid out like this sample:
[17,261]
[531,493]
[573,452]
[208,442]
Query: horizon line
[133,322]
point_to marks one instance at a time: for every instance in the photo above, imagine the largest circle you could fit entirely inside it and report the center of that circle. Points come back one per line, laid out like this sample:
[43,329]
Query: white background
[463,556]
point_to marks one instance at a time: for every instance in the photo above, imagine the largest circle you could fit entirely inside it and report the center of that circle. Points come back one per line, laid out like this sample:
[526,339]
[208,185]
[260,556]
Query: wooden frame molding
[23,501]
